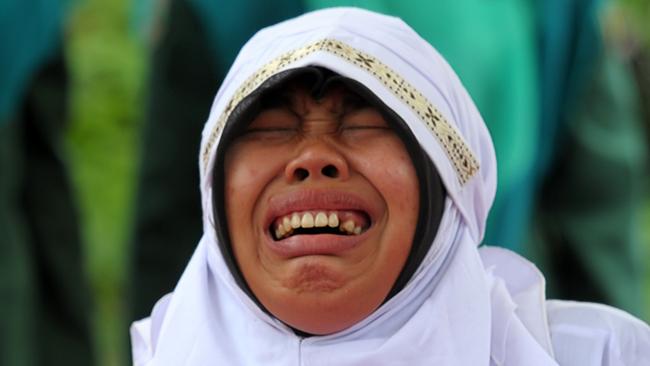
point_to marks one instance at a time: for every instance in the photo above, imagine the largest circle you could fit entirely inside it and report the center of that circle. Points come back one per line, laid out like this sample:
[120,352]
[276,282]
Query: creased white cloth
[463,306]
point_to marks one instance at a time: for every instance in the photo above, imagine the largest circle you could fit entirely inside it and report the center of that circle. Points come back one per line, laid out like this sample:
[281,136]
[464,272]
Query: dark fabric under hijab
[432,193]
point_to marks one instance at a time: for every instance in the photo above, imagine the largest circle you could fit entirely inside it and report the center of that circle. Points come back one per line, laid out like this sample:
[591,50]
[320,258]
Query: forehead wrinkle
[303,103]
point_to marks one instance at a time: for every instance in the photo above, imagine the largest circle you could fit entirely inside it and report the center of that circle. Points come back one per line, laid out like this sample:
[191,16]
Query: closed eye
[366,118]
[269,134]
[365,127]
[271,129]
[274,120]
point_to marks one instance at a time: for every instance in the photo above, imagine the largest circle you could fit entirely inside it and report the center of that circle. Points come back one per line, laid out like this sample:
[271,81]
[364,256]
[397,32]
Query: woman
[346,179]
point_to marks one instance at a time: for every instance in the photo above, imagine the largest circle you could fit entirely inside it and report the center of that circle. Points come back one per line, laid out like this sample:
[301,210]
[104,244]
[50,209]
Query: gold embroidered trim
[464,161]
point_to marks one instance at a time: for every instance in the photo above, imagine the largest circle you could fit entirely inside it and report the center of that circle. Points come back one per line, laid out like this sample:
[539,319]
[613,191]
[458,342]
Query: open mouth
[346,222]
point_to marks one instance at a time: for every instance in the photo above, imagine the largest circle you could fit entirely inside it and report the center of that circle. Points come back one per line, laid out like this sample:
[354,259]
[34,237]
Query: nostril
[330,171]
[301,174]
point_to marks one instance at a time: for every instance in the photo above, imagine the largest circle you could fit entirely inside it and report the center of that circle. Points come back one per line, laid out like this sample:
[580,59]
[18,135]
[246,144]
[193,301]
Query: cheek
[406,185]
[392,173]
[246,175]
[241,177]
[400,174]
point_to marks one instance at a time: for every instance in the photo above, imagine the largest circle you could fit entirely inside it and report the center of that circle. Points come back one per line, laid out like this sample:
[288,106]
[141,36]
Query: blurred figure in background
[569,174]
[586,228]
[43,291]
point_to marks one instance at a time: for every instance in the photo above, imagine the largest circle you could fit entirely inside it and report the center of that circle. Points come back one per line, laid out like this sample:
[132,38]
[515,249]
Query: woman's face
[321,202]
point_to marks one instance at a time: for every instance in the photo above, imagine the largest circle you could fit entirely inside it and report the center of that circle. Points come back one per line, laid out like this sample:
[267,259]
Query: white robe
[463,305]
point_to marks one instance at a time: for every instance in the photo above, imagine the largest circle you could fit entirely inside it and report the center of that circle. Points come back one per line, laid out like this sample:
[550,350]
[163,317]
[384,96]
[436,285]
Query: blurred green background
[108,62]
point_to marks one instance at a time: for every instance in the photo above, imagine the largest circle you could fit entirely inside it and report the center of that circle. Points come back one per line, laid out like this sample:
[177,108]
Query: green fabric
[588,224]
[168,204]
[230,24]
[145,17]
[591,162]
[17,297]
[29,33]
[570,43]
[43,291]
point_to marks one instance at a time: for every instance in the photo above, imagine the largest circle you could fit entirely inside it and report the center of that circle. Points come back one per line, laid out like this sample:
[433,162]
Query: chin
[317,301]
[321,316]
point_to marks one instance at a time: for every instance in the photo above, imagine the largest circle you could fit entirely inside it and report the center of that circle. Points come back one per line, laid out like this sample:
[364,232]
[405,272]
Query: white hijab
[459,308]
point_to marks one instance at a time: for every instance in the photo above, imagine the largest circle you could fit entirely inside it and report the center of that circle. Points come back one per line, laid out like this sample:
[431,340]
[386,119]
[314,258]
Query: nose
[317,160]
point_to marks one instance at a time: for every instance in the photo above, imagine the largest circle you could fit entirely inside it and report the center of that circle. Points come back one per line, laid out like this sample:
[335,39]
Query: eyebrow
[353,101]
[274,100]
[282,99]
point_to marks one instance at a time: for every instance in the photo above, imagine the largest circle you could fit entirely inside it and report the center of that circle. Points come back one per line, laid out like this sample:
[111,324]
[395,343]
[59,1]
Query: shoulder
[594,334]
[144,333]
[580,333]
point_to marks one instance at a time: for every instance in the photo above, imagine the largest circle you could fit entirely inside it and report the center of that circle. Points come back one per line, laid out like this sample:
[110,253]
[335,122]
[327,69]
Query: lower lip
[318,244]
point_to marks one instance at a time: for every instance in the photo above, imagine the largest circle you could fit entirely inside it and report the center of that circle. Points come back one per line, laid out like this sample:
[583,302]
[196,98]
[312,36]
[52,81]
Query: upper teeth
[287,224]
